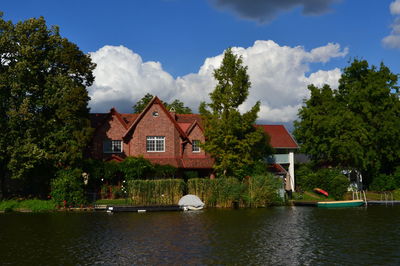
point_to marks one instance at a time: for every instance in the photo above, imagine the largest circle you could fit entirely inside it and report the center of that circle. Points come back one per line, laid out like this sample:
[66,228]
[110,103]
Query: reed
[156,192]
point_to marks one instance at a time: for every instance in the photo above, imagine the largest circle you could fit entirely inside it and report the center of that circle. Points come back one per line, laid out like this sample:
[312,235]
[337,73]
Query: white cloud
[393,40]
[395,7]
[278,75]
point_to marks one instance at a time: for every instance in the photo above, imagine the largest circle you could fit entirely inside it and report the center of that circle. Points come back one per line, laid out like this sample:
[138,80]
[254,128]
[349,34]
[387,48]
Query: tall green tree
[177,105]
[44,102]
[356,126]
[231,138]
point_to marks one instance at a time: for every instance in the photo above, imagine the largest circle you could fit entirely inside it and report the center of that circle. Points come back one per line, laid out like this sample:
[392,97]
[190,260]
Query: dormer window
[155,113]
[196,145]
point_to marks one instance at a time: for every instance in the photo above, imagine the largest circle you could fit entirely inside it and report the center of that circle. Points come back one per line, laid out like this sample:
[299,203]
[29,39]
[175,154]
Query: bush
[164,171]
[383,182]
[338,186]
[68,187]
[329,179]
[263,191]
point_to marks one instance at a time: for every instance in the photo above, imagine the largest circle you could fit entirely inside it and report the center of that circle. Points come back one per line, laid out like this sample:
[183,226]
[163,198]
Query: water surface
[273,236]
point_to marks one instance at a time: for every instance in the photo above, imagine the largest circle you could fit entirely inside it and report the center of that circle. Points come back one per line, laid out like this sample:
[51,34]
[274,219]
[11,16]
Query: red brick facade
[178,130]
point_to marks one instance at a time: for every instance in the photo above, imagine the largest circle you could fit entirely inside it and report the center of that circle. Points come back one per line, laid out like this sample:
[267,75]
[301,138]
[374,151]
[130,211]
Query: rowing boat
[340,203]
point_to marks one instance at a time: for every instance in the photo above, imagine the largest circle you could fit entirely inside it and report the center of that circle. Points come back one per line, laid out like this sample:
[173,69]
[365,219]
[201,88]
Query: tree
[177,105]
[231,137]
[356,126]
[139,106]
[44,112]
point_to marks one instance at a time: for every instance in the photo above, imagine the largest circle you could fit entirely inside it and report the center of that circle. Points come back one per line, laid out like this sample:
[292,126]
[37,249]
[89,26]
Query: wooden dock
[129,208]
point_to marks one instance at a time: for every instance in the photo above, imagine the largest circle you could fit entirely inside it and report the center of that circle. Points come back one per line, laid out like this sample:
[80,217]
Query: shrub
[329,179]
[164,171]
[68,187]
[136,168]
[262,191]
[111,170]
[338,186]
[383,182]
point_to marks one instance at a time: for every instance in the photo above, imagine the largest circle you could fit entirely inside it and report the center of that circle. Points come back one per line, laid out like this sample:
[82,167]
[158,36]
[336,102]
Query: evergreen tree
[356,126]
[231,137]
[44,113]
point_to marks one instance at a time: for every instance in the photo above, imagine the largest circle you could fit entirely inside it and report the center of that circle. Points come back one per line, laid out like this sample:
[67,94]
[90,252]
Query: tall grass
[258,191]
[156,192]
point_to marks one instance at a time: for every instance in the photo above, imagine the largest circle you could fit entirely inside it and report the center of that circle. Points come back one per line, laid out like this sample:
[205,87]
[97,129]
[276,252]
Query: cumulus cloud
[266,10]
[395,7]
[393,40]
[279,77]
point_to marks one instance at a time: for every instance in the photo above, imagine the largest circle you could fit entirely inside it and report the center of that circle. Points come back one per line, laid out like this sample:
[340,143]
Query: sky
[170,48]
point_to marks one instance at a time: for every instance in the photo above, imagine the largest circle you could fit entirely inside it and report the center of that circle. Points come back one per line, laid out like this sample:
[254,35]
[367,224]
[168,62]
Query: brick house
[164,137]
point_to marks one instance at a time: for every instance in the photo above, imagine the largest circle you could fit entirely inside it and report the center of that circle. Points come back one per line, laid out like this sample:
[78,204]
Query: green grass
[310,196]
[33,205]
[113,202]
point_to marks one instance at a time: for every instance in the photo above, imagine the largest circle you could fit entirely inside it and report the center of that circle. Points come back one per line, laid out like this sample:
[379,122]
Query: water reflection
[274,236]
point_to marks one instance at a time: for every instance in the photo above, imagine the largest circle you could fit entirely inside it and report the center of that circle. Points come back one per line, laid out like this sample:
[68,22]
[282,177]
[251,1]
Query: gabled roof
[155,100]
[280,137]
[192,126]
[98,119]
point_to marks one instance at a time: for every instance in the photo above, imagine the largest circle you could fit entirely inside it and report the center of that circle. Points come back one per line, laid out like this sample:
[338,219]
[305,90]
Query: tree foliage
[177,105]
[231,137]
[356,126]
[43,112]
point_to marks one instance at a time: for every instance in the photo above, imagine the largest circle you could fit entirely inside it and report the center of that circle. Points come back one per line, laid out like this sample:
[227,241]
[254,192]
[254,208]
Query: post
[291,169]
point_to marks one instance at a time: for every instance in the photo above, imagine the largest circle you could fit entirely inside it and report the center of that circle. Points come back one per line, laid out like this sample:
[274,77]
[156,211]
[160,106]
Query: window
[196,145]
[112,146]
[155,143]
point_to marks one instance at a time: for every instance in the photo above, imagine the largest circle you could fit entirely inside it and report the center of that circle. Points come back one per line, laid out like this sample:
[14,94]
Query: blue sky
[182,34]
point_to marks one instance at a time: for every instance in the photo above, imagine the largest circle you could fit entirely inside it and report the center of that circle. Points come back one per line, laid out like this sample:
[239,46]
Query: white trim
[155,139]
[196,146]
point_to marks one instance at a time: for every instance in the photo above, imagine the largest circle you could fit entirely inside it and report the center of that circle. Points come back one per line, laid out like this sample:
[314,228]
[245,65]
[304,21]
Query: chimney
[172,113]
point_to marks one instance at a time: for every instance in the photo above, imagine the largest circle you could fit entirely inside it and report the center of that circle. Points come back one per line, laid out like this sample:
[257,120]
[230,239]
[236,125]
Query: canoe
[340,203]
[321,191]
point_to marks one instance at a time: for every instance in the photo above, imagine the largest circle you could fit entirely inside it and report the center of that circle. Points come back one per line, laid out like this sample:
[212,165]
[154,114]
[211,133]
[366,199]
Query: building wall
[151,125]
[195,134]
[112,129]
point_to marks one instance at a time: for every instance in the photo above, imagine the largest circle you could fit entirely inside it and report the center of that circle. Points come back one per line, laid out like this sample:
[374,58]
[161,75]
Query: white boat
[191,203]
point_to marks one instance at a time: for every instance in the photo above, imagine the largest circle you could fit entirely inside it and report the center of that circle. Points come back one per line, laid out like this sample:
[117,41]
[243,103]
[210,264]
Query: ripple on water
[273,236]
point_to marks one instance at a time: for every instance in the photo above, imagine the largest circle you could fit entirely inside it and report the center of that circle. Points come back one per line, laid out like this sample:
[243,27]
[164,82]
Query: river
[272,236]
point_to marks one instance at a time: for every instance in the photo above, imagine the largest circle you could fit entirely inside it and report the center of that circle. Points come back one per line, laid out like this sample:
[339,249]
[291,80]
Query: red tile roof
[280,137]
[184,126]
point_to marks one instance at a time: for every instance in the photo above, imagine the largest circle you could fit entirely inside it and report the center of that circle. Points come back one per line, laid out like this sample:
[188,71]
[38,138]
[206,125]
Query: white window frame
[113,144]
[196,146]
[154,140]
